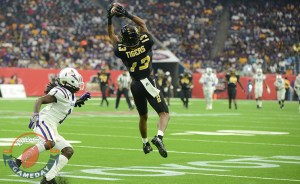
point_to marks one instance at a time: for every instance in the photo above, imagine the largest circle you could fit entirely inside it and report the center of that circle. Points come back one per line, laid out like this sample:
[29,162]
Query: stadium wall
[35,80]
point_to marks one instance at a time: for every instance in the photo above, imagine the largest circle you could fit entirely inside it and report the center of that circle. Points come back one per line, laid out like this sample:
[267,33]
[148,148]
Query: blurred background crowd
[221,34]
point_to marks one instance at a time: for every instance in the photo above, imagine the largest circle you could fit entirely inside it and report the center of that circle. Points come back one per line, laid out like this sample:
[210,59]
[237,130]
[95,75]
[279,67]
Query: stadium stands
[55,34]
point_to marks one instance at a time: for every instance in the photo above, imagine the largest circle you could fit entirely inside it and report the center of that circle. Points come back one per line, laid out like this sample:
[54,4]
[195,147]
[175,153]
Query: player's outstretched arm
[110,28]
[121,11]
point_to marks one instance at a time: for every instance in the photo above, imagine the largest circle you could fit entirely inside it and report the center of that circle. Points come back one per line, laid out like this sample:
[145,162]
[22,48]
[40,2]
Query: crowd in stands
[264,33]
[56,34]
[187,28]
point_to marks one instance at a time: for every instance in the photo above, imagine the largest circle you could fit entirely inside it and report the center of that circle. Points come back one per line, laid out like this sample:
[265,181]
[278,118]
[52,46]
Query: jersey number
[145,63]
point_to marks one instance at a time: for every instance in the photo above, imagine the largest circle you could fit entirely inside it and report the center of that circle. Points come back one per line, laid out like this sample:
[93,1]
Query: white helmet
[167,73]
[208,71]
[259,71]
[71,79]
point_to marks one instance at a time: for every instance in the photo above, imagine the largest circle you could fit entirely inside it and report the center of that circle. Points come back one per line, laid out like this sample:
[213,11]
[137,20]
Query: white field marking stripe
[89,177]
[20,181]
[191,140]
[178,152]
[207,174]
[247,177]
[83,177]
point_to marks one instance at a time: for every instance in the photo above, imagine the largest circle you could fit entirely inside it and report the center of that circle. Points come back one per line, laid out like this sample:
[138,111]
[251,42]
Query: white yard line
[174,139]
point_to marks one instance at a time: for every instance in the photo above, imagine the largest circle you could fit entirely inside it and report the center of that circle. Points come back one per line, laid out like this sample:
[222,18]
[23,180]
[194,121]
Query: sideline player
[259,80]
[60,99]
[209,81]
[232,78]
[186,85]
[104,78]
[297,88]
[134,48]
[279,85]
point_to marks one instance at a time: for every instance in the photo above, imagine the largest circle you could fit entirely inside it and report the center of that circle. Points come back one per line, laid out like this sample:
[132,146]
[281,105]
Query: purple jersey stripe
[48,130]
[63,92]
[45,136]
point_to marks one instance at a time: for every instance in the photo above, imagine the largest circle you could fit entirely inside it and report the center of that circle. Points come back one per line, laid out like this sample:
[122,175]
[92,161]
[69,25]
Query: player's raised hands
[82,99]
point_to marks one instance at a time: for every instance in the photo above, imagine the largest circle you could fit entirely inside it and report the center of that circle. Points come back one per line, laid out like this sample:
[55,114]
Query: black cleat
[16,162]
[44,181]
[147,148]
[160,146]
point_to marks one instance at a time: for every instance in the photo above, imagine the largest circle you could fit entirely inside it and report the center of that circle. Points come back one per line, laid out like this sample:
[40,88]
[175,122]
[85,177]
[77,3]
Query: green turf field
[244,146]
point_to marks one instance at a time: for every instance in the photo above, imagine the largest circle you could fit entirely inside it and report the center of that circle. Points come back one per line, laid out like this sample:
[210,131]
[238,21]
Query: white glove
[33,121]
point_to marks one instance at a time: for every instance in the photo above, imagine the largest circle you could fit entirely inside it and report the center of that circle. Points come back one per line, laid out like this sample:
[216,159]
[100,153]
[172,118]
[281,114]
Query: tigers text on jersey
[137,59]
[56,112]
[259,80]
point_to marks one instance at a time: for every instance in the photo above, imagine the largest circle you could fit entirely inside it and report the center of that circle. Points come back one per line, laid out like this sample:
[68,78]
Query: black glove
[109,14]
[122,12]
[82,99]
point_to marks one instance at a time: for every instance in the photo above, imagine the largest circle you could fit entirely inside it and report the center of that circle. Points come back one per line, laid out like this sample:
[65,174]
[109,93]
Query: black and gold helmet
[129,35]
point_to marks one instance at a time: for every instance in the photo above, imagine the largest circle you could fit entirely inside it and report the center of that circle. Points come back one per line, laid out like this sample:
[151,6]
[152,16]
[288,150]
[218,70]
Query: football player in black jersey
[134,48]
[186,85]
[104,78]
[232,79]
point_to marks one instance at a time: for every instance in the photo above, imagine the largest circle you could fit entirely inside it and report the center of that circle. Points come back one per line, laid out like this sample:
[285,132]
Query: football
[115,5]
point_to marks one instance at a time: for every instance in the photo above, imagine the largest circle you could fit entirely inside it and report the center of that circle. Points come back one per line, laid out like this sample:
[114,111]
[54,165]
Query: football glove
[122,12]
[82,99]
[33,121]
[109,14]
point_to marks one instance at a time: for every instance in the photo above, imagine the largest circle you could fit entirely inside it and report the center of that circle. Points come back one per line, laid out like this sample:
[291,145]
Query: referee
[123,88]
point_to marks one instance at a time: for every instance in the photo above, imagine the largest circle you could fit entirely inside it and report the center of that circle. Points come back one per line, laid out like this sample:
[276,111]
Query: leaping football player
[134,48]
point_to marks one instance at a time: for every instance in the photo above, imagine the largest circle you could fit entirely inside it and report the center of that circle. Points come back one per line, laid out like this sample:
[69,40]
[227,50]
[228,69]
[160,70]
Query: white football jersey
[279,83]
[259,80]
[297,82]
[209,81]
[56,112]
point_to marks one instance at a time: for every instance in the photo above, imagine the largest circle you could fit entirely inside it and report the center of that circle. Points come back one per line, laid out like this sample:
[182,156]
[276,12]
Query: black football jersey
[185,81]
[232,80]
[103,78]
[137,59]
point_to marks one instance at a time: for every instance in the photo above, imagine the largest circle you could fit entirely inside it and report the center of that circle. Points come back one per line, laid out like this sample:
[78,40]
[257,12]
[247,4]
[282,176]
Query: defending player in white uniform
[279,85]
[60,100]
[297,88]
[259,80]
[209,81]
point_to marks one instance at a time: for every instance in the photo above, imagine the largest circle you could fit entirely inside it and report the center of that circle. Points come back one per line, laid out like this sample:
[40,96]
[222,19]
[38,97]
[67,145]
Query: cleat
[16,162]
[44,181]
[160,146]
[147,148]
